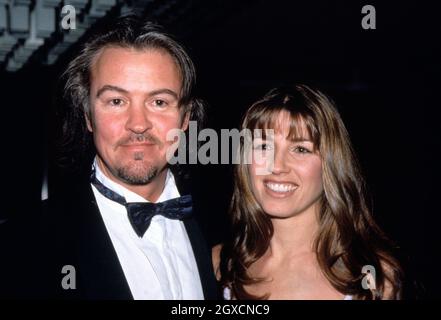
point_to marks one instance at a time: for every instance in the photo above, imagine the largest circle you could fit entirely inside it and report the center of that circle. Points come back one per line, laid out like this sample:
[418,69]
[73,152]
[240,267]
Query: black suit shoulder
[77,239]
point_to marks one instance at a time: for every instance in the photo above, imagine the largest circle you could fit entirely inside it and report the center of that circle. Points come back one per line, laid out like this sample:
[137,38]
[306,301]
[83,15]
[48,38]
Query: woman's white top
[227,295]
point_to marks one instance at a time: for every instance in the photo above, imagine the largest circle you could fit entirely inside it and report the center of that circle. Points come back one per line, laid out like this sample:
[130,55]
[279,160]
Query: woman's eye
[302,150]
[262,146]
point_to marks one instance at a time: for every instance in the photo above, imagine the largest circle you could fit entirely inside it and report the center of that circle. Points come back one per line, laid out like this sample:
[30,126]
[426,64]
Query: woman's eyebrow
[300,139]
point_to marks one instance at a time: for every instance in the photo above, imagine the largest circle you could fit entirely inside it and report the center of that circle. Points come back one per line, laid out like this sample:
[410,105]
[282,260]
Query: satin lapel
[203,259]
[198,241]
[101,273]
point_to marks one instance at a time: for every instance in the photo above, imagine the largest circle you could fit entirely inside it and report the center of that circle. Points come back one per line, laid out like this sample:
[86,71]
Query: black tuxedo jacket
[74,234]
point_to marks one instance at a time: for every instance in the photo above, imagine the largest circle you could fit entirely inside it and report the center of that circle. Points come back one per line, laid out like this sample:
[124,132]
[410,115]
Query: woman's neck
[294,235]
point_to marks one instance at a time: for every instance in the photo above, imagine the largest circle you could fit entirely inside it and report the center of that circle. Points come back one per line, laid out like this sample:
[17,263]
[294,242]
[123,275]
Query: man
[128,88]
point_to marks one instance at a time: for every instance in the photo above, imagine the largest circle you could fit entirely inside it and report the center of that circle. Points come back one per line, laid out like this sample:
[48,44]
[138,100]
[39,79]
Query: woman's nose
[279,163]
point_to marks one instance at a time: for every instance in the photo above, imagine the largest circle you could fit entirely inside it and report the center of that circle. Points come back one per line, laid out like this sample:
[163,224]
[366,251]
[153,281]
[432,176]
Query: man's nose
[138,120]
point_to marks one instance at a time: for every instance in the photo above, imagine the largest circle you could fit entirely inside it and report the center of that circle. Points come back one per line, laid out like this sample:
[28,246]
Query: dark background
[385,83]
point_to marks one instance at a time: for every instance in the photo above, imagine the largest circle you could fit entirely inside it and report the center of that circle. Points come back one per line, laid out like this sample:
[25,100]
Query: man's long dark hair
[129,31]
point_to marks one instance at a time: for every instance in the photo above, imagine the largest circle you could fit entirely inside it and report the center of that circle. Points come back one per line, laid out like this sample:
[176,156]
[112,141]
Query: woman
[301,226]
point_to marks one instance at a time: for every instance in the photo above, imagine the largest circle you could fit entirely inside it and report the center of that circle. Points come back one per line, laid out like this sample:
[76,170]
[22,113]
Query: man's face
[134,98]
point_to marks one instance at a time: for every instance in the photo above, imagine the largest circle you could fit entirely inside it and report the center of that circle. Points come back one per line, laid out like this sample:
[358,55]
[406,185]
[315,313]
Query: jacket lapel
[203,260]
[198,242]
[104,276]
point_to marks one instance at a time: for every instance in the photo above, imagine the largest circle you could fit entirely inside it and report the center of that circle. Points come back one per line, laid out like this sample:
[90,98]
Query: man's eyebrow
[109,87]
[166,91]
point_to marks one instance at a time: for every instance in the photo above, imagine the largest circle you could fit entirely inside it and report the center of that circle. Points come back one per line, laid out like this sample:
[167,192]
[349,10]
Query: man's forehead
[116,56]
[139,69]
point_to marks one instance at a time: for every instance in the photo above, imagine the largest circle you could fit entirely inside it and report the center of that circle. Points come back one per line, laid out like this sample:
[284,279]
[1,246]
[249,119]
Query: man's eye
[116,102]
[159,103]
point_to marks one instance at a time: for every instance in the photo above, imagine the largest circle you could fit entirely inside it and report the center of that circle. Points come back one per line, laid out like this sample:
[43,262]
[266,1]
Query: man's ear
[185,121]
[88,122]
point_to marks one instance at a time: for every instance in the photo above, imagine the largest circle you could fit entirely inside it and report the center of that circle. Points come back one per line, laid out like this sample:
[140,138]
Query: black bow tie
[141,213]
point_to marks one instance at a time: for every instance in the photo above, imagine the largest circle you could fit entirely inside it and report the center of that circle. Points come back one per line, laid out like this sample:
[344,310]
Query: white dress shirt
[161,264]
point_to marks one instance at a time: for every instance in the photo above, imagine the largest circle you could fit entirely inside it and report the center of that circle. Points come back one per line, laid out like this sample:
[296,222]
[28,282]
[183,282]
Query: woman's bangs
[301,126]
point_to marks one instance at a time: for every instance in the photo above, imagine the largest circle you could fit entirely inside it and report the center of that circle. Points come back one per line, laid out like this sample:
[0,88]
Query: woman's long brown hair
[348,237]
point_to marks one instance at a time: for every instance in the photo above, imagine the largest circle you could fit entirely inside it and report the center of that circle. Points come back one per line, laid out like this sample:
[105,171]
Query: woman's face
[293,181]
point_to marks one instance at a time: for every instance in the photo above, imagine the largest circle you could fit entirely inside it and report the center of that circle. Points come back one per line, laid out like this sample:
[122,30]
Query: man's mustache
[140,138]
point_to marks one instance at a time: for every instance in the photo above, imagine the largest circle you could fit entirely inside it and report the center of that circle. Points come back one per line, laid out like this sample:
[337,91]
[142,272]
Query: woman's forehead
[287,125]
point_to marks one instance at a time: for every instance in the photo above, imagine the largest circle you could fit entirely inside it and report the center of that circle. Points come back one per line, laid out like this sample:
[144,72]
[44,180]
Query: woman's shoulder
[215,258]
[390,274]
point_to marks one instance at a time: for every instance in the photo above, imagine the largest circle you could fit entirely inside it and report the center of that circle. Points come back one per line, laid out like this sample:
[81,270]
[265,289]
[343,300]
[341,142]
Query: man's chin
[135,175]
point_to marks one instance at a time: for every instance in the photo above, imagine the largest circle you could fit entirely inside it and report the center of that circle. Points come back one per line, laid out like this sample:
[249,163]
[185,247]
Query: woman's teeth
[280,187]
